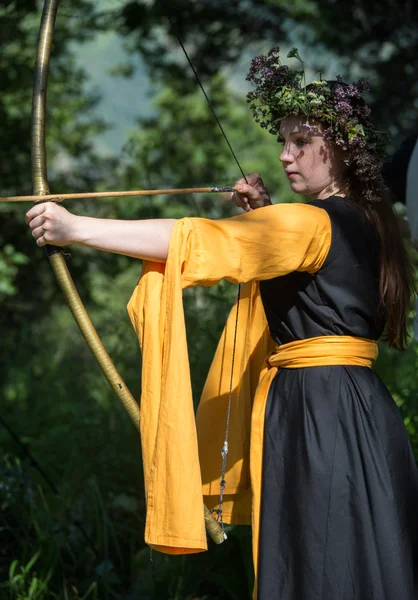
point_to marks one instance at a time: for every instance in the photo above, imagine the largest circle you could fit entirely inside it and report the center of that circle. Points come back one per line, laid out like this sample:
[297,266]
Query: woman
[334,482]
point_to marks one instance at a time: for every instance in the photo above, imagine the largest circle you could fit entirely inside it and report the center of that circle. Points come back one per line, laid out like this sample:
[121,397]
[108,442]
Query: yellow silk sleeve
[262,244]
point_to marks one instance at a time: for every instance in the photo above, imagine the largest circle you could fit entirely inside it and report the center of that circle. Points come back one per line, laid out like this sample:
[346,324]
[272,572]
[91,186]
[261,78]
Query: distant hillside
[123,100]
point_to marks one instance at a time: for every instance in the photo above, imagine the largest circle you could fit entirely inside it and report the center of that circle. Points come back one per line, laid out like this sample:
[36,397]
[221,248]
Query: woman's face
[312,165]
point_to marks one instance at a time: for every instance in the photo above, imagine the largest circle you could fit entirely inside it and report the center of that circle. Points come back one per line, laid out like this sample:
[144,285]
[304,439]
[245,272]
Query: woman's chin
[298,187]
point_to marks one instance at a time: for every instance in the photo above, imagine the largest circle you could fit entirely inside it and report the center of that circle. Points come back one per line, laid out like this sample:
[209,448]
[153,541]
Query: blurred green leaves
[10,259]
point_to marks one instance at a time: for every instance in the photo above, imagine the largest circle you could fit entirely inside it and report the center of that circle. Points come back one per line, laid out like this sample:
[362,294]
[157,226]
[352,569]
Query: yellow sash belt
[312,352]
[324,351]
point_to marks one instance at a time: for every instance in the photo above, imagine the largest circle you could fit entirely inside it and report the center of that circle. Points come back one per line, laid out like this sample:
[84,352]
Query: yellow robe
[259,245]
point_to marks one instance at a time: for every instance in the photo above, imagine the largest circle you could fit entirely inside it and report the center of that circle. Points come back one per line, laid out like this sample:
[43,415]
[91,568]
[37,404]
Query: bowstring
[225,447]
[215,116]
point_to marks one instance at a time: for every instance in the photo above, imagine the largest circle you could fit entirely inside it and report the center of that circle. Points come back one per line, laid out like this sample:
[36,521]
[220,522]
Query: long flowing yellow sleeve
[262,244]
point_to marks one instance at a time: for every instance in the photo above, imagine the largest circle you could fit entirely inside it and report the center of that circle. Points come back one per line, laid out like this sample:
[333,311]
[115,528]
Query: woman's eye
[301,142]
[280,140]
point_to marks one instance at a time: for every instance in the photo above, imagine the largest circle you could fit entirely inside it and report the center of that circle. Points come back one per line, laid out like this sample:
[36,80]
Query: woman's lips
[291,174]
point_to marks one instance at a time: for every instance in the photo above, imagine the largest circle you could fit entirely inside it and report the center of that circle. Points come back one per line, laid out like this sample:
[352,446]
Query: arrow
[169,192]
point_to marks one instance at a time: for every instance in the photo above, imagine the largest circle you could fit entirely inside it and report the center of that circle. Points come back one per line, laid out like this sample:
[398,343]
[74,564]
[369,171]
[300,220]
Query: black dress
[340,483]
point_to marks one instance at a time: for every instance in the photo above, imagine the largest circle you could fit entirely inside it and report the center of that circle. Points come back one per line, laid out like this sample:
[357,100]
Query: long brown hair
[396,274]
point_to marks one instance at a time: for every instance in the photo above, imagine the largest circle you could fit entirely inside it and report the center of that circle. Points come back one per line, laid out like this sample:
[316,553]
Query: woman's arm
[146,239]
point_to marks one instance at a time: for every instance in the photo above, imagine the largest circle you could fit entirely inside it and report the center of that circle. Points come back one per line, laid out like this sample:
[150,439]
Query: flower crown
[281,92]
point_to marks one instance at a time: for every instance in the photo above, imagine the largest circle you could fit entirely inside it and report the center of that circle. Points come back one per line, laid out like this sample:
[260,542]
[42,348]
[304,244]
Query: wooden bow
[56,258]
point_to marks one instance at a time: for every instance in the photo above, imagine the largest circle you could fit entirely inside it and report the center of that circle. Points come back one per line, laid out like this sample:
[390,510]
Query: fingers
[35,218]
[244,189]
[40,236]
[35,211]
[37,222]
[253,179]
[49,224]
[245,193]
[39,226]
[250,193]
[240,198]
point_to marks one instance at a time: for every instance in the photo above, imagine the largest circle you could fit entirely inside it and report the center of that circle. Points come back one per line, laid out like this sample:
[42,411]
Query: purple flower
[339,92]
[344,108]
[273,51]
[363,85]
[352,91]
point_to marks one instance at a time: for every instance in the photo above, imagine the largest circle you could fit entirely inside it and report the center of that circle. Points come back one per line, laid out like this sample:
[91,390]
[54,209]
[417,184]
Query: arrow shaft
[118,194]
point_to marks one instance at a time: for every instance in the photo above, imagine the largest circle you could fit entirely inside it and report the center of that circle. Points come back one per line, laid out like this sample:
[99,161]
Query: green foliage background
[77,532]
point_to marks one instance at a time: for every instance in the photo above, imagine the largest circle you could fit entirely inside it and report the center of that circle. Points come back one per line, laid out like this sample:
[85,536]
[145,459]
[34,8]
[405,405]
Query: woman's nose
[285,155]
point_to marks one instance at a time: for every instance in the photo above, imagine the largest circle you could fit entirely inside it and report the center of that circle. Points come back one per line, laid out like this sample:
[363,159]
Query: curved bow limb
[56,258]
